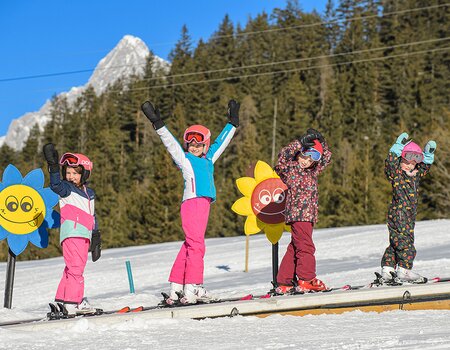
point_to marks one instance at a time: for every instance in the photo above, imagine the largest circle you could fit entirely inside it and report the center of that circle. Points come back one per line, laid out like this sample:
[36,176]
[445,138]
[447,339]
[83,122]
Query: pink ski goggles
[75,159]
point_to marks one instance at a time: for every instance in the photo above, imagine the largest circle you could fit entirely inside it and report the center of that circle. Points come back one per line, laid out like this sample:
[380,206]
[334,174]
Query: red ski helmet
[412,151]
[74,160]
[199,134]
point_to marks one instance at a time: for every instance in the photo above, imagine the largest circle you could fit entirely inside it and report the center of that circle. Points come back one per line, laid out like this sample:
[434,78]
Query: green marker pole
[130,276]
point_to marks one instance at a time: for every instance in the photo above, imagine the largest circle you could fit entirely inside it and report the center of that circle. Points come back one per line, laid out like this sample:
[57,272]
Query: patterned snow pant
[401,250]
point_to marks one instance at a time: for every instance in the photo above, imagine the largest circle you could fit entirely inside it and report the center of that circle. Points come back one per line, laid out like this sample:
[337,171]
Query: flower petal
[35,179]
[274,232]
[263,171]
[50,198]
[242,206]
[52,220]
[246,185]
[39,237]
[17,243]
[251,225]
[3,233]
[11,176]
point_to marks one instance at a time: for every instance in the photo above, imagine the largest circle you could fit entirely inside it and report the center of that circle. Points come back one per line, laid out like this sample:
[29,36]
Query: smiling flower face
[26,209]
[22,209]
[264,202]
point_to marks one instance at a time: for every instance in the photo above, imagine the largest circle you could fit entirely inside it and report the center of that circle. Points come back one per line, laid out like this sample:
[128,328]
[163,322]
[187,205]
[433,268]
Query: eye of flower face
[278,195]
[12,203]
[265,197]
[26,203]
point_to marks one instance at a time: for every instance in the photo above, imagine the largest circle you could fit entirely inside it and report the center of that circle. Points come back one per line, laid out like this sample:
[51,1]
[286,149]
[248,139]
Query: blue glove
[428,152]
[398,146]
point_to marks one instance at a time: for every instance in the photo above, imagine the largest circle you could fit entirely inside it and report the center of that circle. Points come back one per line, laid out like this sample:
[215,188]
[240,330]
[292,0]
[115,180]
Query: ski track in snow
[344,255]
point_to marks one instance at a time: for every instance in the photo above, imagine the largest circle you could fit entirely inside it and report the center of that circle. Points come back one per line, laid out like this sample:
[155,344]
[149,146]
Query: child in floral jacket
[405,166]
[299,165]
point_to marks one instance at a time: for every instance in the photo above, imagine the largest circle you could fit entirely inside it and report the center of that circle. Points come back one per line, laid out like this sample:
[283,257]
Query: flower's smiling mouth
[33,222]
[265,213]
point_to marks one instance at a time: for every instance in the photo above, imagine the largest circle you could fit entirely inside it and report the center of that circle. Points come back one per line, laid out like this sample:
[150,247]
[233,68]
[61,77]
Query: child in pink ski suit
[196,162]
[78,232]
[299,165]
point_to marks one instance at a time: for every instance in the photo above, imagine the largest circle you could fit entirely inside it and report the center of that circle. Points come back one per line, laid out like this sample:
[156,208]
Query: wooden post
[247,244]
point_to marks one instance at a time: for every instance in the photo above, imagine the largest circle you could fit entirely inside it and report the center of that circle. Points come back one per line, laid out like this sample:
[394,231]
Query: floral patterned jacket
[302,203]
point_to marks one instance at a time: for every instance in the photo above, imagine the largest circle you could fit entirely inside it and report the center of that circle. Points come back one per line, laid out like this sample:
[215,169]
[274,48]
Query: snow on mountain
[126,59]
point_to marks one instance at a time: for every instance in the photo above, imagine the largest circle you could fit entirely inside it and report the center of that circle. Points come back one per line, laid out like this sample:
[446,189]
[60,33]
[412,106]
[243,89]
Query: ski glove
[153,115]
[428,152]
[399,144]
[233,113]
[96,245]
[317,135]
[307,140]
[52,158]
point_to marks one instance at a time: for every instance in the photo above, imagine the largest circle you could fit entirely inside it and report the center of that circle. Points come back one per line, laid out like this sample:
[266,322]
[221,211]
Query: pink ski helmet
[199,134]
[74,160]
[412,151]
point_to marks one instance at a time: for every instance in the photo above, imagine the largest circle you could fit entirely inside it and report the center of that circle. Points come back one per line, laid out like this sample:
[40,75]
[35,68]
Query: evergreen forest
[362,72]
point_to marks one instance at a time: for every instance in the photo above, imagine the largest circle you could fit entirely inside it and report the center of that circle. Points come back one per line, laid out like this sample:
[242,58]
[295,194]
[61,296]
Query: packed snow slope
[344,255]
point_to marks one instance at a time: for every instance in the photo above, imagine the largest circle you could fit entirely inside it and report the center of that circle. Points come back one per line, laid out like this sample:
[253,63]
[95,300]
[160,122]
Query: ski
[58,312]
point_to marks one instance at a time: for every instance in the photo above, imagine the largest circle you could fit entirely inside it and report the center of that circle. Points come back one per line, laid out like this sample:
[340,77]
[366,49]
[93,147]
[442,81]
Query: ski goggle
[194,136]
[71,159]
[412,156]
[312,153]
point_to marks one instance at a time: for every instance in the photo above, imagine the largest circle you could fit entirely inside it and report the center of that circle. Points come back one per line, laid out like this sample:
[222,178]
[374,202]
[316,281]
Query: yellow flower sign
[264,202]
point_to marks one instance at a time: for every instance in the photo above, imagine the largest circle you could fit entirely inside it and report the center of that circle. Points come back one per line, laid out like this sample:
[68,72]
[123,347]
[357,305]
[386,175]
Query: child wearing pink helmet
[79,232]
[405,167]
[196,161]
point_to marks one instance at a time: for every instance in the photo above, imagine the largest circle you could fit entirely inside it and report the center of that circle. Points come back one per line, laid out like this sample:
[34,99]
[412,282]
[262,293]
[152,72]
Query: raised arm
[428,158]
[224,138]
[61,188]
[392,161]
[173,146]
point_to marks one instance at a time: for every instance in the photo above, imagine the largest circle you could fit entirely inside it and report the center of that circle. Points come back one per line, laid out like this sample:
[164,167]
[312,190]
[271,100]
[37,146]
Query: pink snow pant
[71,286]
[189,265]
[299,261]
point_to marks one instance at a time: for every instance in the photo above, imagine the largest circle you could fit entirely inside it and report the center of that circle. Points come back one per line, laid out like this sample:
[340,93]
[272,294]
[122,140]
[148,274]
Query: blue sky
[52,36]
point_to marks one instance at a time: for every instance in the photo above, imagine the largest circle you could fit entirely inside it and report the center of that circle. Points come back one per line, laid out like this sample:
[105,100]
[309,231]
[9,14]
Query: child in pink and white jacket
[79,230]
[299,165]
[195,159]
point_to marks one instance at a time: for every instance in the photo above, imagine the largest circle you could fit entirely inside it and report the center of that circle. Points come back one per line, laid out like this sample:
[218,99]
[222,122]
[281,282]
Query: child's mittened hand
[51,156]
[318,136]
[233,113]
[430,147]
[403,139]
[153,115]
[428,152]
[307,140]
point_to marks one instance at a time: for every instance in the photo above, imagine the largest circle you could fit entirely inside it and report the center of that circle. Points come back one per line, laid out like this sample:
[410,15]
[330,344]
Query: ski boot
[194,293]
[314,285]
[283,289]
[405,275]
[176,293]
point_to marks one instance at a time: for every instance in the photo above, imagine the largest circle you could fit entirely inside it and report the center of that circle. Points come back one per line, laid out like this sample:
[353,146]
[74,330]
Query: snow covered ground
[344,255]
